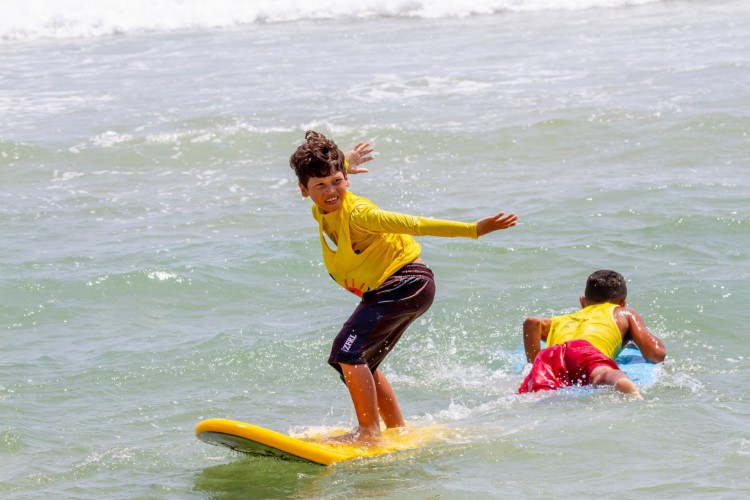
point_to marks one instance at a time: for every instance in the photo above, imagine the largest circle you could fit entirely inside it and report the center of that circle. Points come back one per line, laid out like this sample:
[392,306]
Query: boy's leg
[361,385]
[588,365]
[368,336]
[549,371]
[387,404]
[604,375]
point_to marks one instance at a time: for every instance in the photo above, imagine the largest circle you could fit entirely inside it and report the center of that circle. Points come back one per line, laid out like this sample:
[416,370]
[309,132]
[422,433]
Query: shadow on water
[256,477]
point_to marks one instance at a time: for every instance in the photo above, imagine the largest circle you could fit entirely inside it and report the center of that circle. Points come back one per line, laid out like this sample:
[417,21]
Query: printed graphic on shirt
[356,290]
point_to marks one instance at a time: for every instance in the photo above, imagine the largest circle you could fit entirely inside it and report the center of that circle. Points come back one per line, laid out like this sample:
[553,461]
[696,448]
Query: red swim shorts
[564,365]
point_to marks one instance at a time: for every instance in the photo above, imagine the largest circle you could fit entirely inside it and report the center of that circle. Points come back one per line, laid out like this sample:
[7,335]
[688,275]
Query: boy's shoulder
[623,310]
[360,202]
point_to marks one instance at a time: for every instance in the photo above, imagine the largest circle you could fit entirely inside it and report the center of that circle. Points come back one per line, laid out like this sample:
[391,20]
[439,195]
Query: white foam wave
[39,19]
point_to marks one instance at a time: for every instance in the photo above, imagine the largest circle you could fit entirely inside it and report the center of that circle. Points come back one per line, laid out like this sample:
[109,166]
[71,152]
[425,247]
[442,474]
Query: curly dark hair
[318,156]
[605,286]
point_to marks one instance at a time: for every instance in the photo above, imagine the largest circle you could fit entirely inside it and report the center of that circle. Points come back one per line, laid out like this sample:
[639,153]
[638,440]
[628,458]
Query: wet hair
[318,156]
[605,286]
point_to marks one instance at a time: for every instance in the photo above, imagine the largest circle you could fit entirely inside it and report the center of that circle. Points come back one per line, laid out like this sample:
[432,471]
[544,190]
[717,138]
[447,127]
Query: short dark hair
[605,286]
[318,156]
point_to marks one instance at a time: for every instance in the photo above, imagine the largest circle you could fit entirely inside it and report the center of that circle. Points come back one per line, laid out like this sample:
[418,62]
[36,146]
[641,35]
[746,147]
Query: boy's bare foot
[358,435]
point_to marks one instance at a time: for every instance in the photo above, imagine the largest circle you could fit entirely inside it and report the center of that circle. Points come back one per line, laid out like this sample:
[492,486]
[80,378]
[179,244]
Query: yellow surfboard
[255,440]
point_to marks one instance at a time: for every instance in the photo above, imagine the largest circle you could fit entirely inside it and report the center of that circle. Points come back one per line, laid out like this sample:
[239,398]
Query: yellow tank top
[372,244]
[595,323]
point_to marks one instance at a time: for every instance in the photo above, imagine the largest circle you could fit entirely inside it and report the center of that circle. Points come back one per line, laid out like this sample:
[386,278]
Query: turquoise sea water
[159,266]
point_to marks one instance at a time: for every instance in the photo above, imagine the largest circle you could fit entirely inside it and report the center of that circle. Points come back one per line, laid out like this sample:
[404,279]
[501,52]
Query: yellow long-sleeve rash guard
[372,244]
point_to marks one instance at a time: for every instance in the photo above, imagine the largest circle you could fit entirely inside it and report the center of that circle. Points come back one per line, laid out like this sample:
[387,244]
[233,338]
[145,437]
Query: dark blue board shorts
[382,317]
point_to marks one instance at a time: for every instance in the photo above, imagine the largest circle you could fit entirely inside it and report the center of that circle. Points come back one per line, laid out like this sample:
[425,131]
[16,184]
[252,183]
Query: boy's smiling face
[326,192]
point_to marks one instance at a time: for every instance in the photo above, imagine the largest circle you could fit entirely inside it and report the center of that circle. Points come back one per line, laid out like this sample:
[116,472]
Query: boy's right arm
[651,346]
[534,331]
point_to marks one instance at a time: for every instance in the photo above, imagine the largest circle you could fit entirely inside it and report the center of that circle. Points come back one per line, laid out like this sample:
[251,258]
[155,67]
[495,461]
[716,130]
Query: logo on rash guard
[356,290]
[348,343]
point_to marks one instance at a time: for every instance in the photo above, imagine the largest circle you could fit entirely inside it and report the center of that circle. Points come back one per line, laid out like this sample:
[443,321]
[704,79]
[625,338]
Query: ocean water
[159,266]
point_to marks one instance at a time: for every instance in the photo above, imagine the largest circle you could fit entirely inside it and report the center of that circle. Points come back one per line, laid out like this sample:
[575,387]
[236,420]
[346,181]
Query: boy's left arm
[495,223]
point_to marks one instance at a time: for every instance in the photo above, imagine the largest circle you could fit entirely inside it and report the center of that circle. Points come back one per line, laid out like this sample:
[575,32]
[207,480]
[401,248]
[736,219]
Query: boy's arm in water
[534,331]
[651,346]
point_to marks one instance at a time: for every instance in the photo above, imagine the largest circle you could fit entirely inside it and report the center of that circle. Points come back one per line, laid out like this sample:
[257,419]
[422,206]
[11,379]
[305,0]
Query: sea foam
[43,19]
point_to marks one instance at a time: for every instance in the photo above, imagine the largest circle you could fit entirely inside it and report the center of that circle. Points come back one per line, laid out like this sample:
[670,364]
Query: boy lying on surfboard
[372,254]
[581,347]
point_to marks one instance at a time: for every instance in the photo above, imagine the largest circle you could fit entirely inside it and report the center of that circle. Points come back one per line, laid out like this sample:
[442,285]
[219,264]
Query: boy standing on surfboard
[374,256]
[581,347]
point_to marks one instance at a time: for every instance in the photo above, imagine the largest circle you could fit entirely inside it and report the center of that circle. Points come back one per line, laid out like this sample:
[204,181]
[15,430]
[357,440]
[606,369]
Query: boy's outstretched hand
[495,222]
[360,153]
